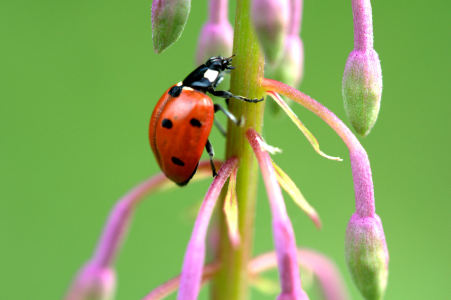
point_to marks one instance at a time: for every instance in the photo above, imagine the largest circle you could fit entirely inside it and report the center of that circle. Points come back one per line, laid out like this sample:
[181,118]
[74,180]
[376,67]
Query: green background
[79,80]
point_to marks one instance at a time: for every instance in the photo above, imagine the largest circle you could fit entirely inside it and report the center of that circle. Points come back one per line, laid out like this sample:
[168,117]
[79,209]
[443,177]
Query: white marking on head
[187,88]
[180,83]
[211,75]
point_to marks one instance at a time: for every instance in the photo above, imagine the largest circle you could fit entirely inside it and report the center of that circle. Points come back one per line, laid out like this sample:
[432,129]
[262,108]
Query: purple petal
[195,254]
[284,239]
[93,276]
[329,278]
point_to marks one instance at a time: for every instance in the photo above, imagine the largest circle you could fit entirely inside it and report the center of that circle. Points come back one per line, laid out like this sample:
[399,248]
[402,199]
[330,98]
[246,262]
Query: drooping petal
[231,211]
[358,231]
[310,137]
[97,277]
[290,187]
[193,262]
[327,273]
[284,239]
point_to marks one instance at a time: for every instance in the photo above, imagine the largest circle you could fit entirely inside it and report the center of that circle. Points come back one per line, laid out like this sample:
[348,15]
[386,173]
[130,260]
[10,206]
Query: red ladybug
[183,117]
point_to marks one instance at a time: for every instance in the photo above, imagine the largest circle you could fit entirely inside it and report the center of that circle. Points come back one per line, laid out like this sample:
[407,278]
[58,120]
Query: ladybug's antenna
[228,61]
[230,58]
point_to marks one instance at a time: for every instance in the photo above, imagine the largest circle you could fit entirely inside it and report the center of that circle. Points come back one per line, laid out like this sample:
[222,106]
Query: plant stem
[363,24]
[232,280]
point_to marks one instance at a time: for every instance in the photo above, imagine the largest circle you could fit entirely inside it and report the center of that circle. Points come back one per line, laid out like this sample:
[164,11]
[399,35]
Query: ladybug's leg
[229,115]
[220,128]
[226,95]
[211,153]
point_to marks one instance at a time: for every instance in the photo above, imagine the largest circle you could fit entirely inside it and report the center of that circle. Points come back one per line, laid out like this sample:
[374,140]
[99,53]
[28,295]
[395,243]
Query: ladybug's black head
[220,63]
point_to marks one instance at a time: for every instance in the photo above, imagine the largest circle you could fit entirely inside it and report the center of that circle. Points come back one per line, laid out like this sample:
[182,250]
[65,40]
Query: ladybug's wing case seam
[154,120]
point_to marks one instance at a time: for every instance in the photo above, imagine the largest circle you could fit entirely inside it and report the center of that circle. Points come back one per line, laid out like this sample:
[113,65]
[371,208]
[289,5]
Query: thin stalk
[232,280]
[363,24]
[218,11]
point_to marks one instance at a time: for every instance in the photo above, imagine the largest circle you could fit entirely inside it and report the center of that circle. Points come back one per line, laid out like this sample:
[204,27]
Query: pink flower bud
[168,21]
[362,89]
[362,78]
[216,39]
[290,68]
[367,255]
[270,19]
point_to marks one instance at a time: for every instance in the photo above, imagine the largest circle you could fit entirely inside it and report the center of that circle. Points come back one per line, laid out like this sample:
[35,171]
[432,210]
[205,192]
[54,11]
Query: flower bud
[270,19]
[289,69]
[367,255]
[216,39]
[362,89]
[168,21]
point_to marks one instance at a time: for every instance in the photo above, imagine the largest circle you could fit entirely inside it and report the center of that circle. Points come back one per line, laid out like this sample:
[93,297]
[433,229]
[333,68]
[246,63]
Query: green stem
[231,283]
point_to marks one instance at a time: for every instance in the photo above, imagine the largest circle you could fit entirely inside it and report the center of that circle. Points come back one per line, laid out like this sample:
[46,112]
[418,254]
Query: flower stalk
[232,281]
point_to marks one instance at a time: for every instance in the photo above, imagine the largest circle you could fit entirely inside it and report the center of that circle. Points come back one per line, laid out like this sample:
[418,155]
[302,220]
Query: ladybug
[183,117]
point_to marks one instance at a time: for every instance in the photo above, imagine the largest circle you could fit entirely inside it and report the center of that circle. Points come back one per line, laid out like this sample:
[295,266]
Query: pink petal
[284,239]
[193,263]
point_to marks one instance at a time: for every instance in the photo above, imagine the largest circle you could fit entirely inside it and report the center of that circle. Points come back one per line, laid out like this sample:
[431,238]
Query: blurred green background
[79,80]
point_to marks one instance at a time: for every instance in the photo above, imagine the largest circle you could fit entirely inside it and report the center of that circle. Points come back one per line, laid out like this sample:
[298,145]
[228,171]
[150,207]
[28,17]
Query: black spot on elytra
[166,123]
[177,161]
[195,122]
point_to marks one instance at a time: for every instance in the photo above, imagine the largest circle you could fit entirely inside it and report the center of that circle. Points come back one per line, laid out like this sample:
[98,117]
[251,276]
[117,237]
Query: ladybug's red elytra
[183,117]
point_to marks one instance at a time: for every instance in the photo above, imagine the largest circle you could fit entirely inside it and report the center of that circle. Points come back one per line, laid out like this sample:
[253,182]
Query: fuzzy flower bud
[367,255]
[216,37]
[270,19]
[362,89]
[290,68]
[362,78]
[214,40]
[168,21]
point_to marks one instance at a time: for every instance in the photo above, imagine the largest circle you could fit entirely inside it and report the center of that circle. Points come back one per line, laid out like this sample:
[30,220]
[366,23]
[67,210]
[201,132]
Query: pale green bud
[367,255]
[168,21]
[362,89]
